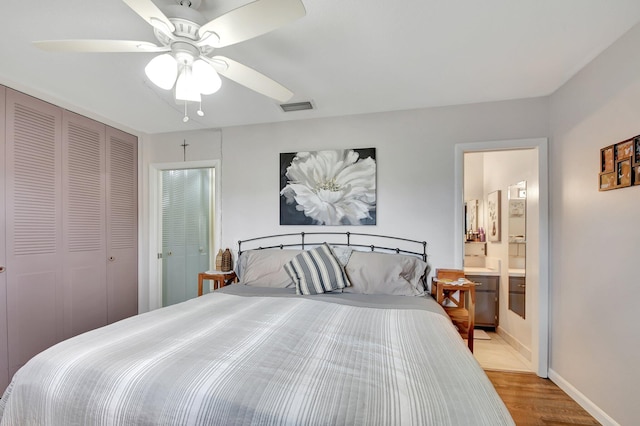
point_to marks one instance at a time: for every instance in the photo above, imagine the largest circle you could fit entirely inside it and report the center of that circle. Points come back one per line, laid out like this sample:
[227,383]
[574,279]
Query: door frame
[540,329]
[155,224]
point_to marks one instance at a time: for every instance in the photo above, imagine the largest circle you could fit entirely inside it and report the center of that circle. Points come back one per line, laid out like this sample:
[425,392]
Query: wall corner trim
[582,400]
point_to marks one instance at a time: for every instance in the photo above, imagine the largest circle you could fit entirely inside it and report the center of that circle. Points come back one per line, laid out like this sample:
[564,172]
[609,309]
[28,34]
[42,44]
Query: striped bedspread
[224,359]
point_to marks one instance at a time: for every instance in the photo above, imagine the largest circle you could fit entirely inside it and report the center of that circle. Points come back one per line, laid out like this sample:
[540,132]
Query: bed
[278,348]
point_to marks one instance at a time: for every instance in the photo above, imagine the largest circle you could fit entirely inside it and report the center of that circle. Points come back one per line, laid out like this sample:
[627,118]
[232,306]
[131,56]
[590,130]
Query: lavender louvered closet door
[70,196]
[122,224]
[35,298]
[4,361]
[84,241]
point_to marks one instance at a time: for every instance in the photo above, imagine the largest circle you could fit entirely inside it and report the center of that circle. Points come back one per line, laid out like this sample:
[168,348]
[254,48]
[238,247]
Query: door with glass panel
[187,212]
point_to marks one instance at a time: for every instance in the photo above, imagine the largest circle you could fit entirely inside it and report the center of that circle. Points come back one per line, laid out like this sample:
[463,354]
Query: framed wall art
[493,214]
[607,159]
[619,165]
[624,150]
[607,181]
[332,187]
[623,177]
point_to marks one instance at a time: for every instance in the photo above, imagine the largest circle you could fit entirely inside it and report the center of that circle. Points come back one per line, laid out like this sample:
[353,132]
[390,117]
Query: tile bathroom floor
[497,354]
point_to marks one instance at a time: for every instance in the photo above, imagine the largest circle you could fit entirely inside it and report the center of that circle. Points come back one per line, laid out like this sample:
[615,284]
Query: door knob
[111,258]
[170,253]
[1,269]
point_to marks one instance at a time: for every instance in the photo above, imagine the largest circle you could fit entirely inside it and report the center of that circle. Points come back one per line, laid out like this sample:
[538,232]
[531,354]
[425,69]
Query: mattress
[256,356]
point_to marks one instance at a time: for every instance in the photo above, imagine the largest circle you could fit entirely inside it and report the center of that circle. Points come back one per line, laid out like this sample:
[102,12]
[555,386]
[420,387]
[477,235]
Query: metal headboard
[306,237]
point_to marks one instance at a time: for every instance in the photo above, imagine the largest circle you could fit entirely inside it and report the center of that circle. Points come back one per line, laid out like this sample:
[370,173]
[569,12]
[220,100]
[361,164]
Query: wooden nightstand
[462,298]
[219,278]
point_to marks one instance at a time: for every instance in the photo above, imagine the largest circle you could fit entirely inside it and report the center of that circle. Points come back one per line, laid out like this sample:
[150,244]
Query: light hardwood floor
[533,401]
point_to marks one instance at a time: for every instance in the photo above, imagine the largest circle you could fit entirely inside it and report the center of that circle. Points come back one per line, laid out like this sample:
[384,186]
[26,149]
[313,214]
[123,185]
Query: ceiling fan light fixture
[205,78]
[162,71]
[186,86]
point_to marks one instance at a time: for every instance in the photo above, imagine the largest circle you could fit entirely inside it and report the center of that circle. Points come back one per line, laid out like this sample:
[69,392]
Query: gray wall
[595,237]
[415,161]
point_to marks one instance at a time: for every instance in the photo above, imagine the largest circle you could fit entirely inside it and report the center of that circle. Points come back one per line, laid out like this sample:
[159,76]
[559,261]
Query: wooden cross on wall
[184,150]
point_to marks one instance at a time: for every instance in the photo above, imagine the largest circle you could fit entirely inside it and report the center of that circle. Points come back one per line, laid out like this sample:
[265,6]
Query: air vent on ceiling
[296,106]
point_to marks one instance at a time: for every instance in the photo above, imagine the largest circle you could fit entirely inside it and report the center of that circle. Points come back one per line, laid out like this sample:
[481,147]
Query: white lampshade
[162,71]
[206,78]
[186,87]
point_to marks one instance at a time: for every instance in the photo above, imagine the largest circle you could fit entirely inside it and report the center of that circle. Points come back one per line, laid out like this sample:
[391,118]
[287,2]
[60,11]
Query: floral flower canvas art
[493,213]
[333,187]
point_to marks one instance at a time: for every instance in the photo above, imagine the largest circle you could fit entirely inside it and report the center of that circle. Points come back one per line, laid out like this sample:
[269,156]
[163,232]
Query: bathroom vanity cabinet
[487,299]
[517,285]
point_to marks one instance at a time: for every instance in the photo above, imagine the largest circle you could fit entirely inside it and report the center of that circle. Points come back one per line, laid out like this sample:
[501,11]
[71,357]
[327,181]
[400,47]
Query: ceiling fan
[187,41]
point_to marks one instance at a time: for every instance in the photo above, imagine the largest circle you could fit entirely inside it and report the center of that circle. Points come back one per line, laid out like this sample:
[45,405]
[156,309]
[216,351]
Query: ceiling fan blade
[150,13]
[250,78]
[252,20]
[98,46]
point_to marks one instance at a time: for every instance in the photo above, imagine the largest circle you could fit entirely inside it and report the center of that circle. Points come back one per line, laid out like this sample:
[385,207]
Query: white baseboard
[515,343]
[582,400]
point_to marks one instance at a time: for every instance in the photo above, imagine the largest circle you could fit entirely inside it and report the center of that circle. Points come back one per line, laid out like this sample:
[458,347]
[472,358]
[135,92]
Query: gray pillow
[385,273]
[264,268]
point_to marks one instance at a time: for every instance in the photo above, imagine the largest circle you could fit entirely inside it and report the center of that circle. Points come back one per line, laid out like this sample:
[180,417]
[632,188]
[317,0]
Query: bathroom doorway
[187,231]
[495,176]
[183,243]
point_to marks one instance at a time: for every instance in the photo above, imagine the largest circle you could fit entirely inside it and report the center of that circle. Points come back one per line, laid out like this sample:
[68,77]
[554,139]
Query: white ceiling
[345,56]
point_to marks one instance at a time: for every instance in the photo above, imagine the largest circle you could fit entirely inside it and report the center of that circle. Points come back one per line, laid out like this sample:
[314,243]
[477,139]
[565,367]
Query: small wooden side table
[219,278]
[462,313]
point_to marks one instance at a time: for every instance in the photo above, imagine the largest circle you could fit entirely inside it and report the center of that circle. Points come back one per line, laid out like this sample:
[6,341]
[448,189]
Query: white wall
[415,159]
[595,237]
[164,149]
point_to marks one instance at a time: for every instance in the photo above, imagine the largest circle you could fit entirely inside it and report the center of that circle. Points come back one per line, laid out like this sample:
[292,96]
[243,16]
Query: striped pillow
[317,271]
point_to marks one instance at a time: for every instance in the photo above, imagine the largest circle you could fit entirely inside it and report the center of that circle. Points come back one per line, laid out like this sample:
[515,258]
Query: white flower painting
[336,187]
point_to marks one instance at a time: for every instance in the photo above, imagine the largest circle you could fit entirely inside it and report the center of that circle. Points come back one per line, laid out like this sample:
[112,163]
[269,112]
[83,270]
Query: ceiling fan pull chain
[186,117]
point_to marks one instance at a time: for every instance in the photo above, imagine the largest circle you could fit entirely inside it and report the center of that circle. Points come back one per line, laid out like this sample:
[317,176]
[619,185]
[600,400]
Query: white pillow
[385,273]
[265,268]
[342,253]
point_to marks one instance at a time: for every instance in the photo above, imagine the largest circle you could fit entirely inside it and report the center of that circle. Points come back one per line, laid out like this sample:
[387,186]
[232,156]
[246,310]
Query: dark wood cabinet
[517,287]
[487,299]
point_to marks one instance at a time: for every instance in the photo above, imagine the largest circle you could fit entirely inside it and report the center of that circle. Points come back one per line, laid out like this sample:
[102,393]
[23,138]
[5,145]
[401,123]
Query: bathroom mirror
[517,228]
[472,216]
